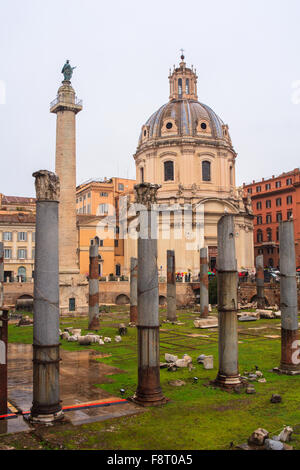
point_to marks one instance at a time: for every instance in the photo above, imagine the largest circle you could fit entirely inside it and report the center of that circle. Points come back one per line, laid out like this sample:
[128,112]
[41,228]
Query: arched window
[206,171]
[187,86]
[22,273]
[259,236]
[180,87]
[169,171]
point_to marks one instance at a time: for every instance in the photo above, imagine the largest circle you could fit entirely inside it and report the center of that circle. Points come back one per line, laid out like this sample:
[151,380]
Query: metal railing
[60,99]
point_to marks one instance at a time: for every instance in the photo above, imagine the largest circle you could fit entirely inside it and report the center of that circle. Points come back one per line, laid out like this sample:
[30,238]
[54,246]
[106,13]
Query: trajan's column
[73,294]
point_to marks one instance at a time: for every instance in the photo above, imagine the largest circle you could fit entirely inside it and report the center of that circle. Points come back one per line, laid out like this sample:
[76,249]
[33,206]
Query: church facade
[186,148]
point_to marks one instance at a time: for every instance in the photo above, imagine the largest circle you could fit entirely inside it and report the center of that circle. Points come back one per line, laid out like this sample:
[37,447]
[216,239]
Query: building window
[269,234]
[258,205]
[258,189]
[118,270]
[116,243]
[121,187]
[7,236]
[22,253]
[250,190]
[33,236]
[271,262]
[289,181]
[89,194]
[180,87]
[103,209]
[269,219]
[259,220]
[33,253]
[278,217]
[104,194]
[260,251]
[117,229]
[259,236]
[22,236]
[187,86]
[169,171]
[278,184]
[206,176]
[268,204]
[72,304]
[7,253]
[142,174]
[289,214]
[100,242]
[289,199]
[268,186]
[278,201]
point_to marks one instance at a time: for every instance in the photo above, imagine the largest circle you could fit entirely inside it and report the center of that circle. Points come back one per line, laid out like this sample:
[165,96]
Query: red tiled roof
[17,200]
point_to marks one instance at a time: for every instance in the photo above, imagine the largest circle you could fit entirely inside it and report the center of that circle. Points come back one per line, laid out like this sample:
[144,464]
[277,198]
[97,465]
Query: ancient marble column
[133,289]
[148,390]
[171,286]
[94,286]
[228,375]
[66,106]
[46,406]
[290,359]
[260,291]
[203,283]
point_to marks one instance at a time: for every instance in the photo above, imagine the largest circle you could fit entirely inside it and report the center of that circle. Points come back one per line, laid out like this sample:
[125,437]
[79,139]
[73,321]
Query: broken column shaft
[133,289]
[94,286]
[260,291]
[228,375]
[46,406]
[203,283]
[171,286]
[290,358]
[148,390]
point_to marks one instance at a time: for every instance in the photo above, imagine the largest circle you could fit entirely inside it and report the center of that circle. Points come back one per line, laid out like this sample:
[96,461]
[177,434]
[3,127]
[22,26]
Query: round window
[169,125]
[203,125]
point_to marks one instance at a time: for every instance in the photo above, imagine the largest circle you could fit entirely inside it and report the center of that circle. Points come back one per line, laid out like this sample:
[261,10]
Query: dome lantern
[183,82]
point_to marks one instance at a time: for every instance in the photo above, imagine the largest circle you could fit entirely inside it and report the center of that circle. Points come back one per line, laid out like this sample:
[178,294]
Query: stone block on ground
[286,434]
[258,437]
[273,445]
[170,358]
[210,322]
[208,362]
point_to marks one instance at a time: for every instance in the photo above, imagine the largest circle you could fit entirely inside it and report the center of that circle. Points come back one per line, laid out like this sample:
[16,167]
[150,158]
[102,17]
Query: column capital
[46,185]
[146,194]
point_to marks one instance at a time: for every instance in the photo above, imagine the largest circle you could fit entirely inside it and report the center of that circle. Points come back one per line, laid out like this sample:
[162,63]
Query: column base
[46,418]
[228,381]
[286,370]
[149,401]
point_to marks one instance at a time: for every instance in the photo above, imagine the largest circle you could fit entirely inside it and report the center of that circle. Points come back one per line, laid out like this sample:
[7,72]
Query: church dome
[187,115]
[184,116]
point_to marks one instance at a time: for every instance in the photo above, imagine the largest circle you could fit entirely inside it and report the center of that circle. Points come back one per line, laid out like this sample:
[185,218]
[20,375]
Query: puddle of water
[79,372]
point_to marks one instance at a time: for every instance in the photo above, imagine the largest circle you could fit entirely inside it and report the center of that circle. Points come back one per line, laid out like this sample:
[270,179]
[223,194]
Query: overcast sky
[246,53]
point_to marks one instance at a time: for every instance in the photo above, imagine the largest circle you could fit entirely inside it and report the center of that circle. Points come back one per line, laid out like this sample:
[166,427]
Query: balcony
[62,100]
